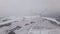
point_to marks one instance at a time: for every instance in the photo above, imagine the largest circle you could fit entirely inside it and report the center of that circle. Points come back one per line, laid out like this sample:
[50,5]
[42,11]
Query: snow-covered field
[27,25]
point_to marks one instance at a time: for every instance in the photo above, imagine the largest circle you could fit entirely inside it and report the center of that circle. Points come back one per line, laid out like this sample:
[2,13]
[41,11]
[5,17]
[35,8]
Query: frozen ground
[30,25]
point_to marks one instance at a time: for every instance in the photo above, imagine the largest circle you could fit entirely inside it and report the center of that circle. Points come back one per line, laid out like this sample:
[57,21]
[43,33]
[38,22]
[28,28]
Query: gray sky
[24,7]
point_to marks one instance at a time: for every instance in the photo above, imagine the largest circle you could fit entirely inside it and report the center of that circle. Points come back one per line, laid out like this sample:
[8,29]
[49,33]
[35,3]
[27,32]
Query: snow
[40,26]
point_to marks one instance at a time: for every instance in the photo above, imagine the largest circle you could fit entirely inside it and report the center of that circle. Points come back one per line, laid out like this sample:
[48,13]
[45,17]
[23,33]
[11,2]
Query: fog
[27,7]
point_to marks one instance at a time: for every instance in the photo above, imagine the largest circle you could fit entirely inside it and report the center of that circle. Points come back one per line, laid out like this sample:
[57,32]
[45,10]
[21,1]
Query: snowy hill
[28,25]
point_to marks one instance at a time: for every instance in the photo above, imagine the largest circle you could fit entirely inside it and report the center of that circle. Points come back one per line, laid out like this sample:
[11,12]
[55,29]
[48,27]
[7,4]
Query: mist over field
[23,14]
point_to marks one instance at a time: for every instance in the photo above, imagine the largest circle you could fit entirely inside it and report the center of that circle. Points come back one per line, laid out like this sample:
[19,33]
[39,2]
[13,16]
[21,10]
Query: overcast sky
[24,7]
